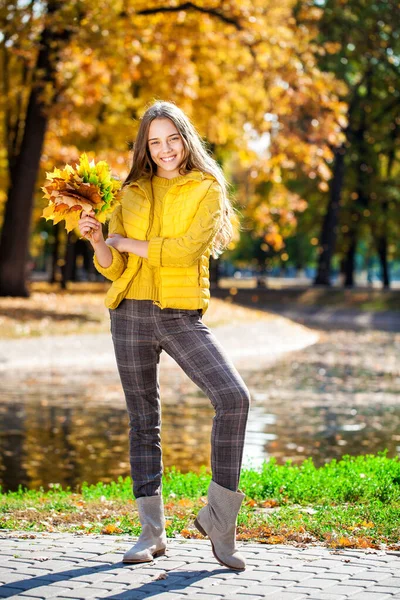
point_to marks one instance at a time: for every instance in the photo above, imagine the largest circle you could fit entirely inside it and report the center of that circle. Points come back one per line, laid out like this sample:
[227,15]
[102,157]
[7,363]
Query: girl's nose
[166,146]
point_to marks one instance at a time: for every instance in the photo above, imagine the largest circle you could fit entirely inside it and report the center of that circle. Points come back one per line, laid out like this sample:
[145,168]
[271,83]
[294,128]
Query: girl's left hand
[117,241]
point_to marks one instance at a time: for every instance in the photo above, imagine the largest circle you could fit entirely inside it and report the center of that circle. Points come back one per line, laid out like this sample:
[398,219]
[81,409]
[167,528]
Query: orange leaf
[269,503]
[251,502]
[110,528]
[61,207]
[185,502]
[276,539]
[344,541]
[186,533]
[362,543]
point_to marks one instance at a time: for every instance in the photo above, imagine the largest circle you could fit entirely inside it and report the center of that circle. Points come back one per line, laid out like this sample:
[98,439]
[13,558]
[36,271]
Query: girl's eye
[174,139]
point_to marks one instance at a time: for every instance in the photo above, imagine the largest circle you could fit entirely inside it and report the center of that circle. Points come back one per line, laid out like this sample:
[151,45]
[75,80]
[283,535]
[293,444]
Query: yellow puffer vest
[190,219]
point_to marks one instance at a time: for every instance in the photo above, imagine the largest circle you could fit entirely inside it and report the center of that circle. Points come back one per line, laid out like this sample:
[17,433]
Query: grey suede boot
[217,520]
[152,541]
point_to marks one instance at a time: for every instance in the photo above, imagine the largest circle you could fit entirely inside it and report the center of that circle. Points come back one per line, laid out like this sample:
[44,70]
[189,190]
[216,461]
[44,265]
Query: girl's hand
[90,228]
[117,241]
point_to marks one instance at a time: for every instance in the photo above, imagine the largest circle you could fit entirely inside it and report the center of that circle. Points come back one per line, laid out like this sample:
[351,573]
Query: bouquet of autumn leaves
[88,186]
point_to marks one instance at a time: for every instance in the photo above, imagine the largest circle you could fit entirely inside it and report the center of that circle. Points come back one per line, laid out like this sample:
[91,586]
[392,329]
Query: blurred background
[299,103]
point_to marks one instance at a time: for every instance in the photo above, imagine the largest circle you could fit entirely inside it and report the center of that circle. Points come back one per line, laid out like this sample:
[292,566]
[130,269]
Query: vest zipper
[151,220]
[140,261]
[155,302]
[161,225]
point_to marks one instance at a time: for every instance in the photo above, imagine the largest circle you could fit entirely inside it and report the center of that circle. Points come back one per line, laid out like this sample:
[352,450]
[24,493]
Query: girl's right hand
[90,227]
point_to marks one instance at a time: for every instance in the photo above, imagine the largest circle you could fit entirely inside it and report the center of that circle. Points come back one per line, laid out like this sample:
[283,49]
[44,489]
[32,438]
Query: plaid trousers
[140,331]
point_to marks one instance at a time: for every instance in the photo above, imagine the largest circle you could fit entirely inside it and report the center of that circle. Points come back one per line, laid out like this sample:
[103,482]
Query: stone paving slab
[80,566]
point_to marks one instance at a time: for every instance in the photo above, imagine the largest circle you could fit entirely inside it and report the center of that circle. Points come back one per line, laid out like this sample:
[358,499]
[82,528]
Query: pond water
[339,396]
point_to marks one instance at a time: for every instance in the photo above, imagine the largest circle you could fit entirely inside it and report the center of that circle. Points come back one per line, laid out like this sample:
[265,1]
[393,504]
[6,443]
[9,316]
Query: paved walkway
[340,318]
[252,344]
[76,566]
[325,317]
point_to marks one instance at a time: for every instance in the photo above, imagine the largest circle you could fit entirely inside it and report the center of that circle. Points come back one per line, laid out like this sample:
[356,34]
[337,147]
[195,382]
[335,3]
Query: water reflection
[340,396]
[42,442]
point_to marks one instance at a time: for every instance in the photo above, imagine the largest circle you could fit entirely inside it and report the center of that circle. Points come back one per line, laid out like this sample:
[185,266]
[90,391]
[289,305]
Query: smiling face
[166,147]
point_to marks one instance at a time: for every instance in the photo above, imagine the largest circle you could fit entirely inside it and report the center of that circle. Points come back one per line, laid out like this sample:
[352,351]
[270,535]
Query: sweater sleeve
[119,260]
[185,250]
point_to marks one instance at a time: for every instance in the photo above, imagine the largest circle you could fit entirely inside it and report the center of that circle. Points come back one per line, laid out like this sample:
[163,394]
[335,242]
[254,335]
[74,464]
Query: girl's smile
[166,147]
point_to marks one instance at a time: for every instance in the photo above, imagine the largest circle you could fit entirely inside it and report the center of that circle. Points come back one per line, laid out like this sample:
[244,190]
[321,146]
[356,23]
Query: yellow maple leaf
[48,212]
[71,220]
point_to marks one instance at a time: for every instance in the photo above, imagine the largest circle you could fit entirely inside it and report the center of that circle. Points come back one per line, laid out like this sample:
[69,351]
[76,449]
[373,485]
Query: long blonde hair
[196,156]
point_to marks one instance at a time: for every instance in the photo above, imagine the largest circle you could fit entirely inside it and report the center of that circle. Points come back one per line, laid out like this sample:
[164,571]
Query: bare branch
[191,6]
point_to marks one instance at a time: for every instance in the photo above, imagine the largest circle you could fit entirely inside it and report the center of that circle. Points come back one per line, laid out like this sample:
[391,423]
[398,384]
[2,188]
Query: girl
[173,213]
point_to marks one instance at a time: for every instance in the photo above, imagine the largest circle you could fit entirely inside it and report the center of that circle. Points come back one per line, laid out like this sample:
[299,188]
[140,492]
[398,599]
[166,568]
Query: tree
[25,142]
[98,64]
[358,41]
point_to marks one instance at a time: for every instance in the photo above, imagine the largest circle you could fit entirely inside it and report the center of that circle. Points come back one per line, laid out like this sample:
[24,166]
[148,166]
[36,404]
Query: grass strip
[351,502]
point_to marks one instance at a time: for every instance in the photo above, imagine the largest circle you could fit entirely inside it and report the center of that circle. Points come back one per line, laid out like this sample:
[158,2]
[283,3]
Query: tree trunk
[87,253]
[381,239]
[214,272]
[330,224]
[382,247]
[69,267]
[349,260]
[361,204]
[54,254]
[14,243]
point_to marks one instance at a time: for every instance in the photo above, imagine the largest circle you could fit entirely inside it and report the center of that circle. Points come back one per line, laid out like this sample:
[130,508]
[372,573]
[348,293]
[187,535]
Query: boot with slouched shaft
[152,541]
[217,520]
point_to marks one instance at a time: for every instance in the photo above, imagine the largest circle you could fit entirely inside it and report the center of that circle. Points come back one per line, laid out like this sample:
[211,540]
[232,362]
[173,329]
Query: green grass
[354,502]
[351,479]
